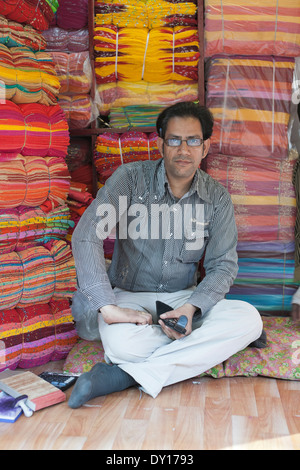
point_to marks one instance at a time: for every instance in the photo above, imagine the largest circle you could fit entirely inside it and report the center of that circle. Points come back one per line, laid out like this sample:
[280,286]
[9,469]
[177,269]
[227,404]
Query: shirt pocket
[192,250]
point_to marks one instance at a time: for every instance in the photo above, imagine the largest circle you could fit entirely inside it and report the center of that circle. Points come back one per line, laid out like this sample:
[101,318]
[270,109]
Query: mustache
[181,158]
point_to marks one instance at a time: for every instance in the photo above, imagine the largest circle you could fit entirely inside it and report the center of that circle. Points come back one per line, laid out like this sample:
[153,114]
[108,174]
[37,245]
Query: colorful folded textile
[33,181]
[123,94]
[14,34]
[154,55]
[35,335]
[37,13]
[59,39]
[250,98]
[27,76]
[79,199]
[145,13]
[262,193]
[32,129]
[112,150]
[265,276]
[134,116]
[74,71]
[72,14]
[37,275]
[247,27]
[25,227]
[79,110]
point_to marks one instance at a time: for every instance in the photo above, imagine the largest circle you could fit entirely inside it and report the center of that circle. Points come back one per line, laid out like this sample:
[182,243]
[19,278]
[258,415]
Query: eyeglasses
[192,142]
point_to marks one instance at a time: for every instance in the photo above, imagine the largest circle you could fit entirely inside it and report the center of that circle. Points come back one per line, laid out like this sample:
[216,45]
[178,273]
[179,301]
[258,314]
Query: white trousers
[155,361]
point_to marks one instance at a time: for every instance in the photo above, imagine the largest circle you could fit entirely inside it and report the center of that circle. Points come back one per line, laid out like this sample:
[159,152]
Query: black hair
[186,109]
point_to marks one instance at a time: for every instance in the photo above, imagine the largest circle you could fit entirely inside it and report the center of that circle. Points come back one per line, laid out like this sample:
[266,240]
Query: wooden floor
[199,414]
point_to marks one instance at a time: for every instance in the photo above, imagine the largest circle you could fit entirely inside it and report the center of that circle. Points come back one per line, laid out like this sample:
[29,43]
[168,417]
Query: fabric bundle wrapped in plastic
[71,14]
[37,334]
[156,55]
[265,276]
[122,94]
[33,181]
[80,110]
[250,98]
[25,227]
[145,13]
[33,129]
[247,27]
[37,13]
[112,150]
[27,76]
[262,193]
[14,34]
[134,116]
[59,39]
[74,71]
[37,275]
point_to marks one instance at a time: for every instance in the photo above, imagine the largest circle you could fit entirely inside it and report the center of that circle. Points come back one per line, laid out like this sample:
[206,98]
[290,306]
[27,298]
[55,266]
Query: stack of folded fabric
[154,55]
[141,66]
[36,334]
[124,94]
[262,193]
[71,14]
[113,150]
[266,276]
[75,74]
[145,13]
[37,271]
[24,227]
[37,13]
[250,53]
[59,39]
[73,70]
[134,116]
[27,76]
[37,275]
[14,34]
[257,27]
[250,98]
[33,181]
[33,129]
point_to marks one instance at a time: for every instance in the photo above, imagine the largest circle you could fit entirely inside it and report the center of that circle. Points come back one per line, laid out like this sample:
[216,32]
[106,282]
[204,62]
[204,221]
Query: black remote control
[59,380]
[177,324]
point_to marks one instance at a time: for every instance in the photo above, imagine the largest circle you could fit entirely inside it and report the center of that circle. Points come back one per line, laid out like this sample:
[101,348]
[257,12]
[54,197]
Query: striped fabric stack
[146,53]
[37,271]
[75,74]
[113,150]
[68,47]
[250,50]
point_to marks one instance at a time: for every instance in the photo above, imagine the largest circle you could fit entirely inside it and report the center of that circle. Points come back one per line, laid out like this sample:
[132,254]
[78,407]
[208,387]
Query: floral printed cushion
[280,359]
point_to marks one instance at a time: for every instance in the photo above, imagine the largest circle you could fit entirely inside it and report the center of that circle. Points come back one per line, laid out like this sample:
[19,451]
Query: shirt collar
[198,183]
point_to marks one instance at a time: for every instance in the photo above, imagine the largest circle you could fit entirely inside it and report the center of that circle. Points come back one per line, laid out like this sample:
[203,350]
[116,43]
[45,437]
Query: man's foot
[101,380]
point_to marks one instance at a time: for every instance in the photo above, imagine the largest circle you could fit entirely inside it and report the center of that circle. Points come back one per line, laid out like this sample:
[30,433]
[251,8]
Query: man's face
[182,162]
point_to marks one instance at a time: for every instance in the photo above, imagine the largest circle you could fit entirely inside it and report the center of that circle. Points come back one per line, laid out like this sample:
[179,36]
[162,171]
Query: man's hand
[296,312]
[114,314]
[188,310]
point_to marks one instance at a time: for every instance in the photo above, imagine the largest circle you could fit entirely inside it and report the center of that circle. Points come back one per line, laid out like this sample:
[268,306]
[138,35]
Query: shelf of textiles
[251,82]
[145,55]
[37,271]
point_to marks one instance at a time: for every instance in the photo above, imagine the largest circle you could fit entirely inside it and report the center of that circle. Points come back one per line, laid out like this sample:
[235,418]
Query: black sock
[102,379]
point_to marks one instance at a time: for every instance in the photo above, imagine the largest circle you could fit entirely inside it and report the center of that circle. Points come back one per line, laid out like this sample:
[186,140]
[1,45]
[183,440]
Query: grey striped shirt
[159,239]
